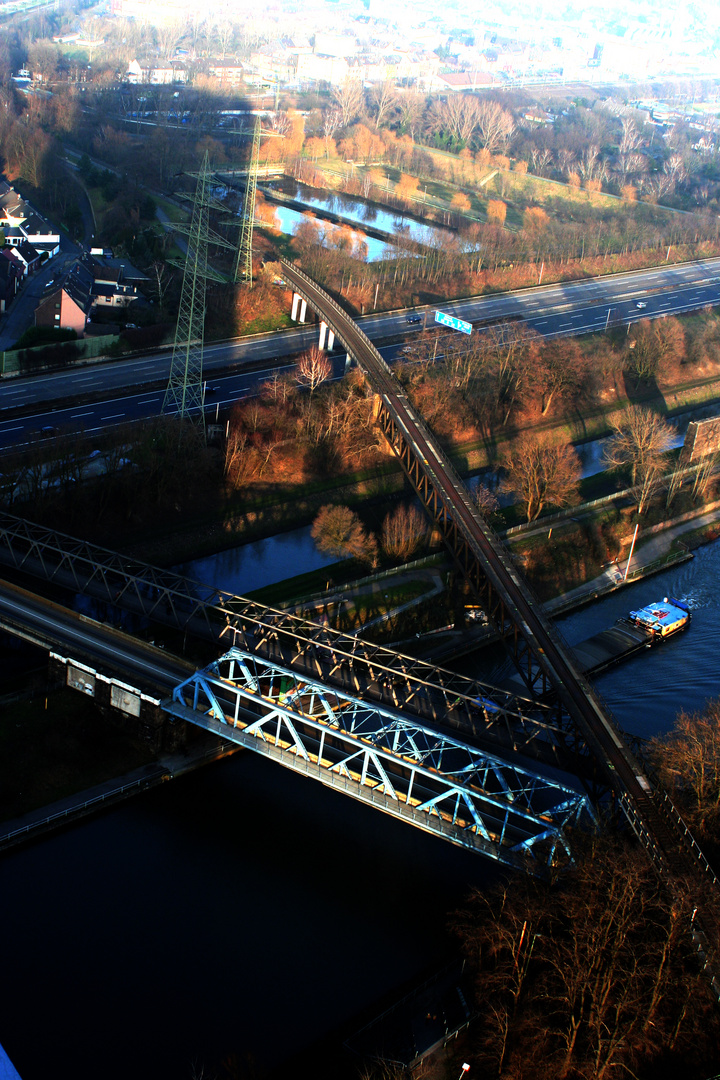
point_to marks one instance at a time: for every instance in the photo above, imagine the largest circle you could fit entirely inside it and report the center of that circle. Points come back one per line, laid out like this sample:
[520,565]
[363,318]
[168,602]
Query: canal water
[362,214]
[264,562]
[646,693]
[245,911]
[288,219]
[251,566]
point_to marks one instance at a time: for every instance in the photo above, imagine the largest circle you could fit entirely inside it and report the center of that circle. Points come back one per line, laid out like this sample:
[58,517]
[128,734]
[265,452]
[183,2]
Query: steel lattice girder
[420,475]
[440,784]
[486,712]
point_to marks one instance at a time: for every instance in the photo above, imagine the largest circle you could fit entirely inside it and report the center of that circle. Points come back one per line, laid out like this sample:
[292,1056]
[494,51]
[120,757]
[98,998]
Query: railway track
[626,777]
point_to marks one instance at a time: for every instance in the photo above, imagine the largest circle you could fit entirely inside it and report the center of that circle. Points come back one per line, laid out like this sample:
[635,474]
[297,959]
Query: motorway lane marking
[150,401]
[76,416]
[115,417]
[18,427]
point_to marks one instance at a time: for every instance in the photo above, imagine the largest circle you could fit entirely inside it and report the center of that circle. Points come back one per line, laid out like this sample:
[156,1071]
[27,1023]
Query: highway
[53,626]
[102,394]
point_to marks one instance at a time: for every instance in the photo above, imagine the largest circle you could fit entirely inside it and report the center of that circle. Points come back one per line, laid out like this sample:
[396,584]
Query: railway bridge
[453,755]
[535,645]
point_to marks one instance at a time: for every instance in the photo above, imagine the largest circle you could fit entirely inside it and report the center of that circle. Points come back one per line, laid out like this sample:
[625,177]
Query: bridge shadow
[644,391]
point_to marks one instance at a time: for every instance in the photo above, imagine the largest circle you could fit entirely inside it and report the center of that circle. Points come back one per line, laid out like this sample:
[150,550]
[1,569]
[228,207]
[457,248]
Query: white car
[641,304]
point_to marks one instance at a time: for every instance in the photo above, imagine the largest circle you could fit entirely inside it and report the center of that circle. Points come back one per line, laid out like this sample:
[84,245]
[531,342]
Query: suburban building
[11,272]
[21,223]
[67,306]
[174,72]
[114,281]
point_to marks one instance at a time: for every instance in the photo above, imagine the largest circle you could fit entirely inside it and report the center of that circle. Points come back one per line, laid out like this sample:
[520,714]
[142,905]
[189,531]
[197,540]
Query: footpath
[650,556]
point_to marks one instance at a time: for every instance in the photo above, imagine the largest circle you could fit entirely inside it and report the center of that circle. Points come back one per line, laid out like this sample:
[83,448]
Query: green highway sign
[456,324]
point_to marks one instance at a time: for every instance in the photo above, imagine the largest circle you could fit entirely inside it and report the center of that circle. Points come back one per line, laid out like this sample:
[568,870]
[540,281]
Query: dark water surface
[245,910]
[239,910]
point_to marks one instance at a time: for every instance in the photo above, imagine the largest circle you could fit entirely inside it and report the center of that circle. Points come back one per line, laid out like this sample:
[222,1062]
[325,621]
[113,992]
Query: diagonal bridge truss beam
[491,716]
[428,778]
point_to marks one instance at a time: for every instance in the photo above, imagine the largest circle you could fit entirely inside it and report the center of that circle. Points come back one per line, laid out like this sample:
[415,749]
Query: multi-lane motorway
[97,396]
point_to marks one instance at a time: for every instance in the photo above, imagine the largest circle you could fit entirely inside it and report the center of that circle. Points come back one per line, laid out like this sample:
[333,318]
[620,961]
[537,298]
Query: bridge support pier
[125,704]
[325,334]
[295,305]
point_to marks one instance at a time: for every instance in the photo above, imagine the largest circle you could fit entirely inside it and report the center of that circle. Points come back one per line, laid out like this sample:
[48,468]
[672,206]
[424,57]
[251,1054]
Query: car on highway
[641,304]
[414,318]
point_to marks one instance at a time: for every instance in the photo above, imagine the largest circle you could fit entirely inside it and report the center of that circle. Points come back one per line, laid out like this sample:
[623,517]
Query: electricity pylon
[243,263]
[184,395]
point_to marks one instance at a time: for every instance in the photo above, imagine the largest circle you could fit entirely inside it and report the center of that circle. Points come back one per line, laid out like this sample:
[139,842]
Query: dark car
[414,318]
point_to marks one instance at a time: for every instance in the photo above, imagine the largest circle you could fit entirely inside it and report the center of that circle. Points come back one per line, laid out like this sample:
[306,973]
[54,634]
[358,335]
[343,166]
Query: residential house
[21,223]
[461,81]
[174,72]
[228,72]
[11,272]
[67,306]
[29,256]
[114,281]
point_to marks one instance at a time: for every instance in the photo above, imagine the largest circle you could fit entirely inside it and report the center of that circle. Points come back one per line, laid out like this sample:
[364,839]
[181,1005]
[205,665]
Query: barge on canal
[637,630]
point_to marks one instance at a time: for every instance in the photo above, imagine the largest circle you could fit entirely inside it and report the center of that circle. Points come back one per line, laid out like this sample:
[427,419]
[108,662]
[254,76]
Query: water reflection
[360,212]
[263,562]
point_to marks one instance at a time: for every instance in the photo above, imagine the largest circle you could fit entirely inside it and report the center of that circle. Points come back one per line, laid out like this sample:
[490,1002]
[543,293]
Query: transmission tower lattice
[184,395]
[243,264]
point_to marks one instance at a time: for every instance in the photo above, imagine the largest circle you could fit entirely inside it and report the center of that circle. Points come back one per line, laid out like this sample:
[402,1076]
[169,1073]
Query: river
[245,910]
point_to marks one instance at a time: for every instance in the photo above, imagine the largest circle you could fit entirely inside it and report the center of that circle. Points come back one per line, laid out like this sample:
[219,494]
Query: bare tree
[223,32]
[486,502]
[338,531]
[349,98]
[411,104]
[332,120]
[459,114]
[169,35]
[688,763]
[540,157]
[640,442]
[557,371]
[403,531]
[540,472]
[313,368]
[590,165]
[495,125]
[674,169]
[384,98]
[594,979]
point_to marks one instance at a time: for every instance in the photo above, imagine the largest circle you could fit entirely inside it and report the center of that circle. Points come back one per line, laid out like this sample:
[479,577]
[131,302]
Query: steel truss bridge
[537,649]
[492,717]
[405,768]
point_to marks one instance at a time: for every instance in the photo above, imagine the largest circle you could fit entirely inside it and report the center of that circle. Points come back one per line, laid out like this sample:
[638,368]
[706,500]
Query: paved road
[572,308]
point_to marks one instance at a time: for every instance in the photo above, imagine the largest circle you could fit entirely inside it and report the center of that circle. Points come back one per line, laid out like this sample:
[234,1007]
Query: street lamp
[465,1069]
